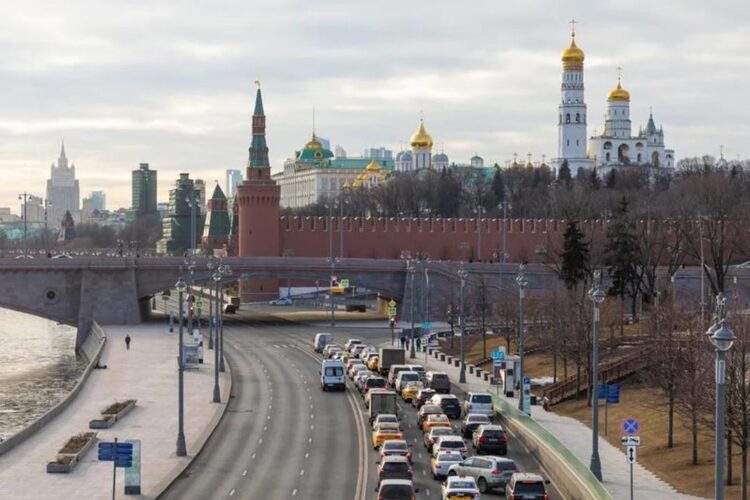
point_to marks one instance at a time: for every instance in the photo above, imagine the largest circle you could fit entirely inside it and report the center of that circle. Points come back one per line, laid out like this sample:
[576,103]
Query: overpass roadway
[282,437]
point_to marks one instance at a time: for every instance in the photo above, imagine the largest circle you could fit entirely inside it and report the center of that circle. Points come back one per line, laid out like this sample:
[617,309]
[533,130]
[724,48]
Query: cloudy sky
[170,83]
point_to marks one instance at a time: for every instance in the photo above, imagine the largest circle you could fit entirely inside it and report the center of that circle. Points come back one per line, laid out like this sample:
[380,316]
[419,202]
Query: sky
[171,83]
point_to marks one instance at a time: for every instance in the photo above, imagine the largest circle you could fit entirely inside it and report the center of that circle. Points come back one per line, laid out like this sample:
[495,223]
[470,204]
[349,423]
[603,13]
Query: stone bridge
[112,290]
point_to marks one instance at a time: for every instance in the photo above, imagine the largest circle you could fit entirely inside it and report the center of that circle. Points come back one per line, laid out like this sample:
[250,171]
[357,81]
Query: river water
[38,367]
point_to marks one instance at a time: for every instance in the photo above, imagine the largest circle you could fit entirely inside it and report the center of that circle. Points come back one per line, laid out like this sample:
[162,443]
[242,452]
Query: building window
[576,142]
[567,117]
[568,142]
[639,157]
[607,156]
[578,117]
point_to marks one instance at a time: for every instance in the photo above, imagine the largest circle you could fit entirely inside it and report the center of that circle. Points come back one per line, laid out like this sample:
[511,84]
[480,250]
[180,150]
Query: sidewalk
[148,373]
[577,438]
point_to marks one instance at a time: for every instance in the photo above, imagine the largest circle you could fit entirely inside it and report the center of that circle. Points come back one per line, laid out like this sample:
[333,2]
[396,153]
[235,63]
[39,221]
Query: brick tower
[258,197]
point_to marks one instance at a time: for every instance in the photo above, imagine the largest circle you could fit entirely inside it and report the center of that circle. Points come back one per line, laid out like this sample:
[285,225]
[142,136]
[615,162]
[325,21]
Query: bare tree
[738,395]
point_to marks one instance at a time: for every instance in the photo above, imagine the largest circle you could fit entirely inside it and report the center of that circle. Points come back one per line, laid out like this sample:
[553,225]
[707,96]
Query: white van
[322,340]
[332,375]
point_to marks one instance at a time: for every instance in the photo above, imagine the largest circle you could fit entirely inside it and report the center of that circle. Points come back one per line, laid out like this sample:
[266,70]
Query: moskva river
[38,367]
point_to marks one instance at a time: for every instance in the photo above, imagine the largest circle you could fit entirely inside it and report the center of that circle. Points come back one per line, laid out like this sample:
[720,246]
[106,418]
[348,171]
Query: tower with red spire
[258,198]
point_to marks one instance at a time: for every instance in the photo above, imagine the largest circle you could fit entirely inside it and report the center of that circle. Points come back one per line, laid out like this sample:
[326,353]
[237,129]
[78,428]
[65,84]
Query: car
[393,373]
[421,397]
[330,350]
[374,382]
[395,447]
[372,362]
[435,421]
[332,375]
[352,364]
[394,467]
[489,472]
[432,436]
[396,489]
[355,369]
[425,410]
[523,485]
[442,462]
[342,355]
[471,422]
[450,443]
[419,369]
[281,301]
[460,487]
[438,381]
[361,375]
[479,402]
[449,404]
[385,418]
[490,439]
[403,377]
[356,349]
[384,432]
[369,349]
[322,340]
[410,390]
[350,343]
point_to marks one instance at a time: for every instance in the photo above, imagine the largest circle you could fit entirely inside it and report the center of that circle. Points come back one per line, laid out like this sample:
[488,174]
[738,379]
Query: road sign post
[631,427]
[526,395]
[120,454]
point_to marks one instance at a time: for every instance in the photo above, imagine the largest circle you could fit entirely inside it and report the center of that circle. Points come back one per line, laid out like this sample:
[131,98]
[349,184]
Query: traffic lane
[333,455]
[234,436]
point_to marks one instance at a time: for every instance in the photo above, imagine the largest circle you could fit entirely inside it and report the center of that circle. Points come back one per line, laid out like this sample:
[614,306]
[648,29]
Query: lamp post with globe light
[181,448]
[722,338]
[462,274]
[522,282]
[411,268]
[216,276]
[596,294]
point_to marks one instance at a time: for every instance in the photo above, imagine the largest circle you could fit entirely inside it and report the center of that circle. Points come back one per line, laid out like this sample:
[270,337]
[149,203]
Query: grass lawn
[671,465]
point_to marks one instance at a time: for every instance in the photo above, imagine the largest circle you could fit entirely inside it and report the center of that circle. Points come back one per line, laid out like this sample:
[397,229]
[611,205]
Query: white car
[351,343]
[442,462]
[456,485]
[283,301]
[479,402]
[450,443]
[383,418]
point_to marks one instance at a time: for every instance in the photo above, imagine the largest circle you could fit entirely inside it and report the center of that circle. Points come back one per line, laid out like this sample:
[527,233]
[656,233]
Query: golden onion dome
[373,166]
[572,57]
[314,143]
[421,139]
[618,94]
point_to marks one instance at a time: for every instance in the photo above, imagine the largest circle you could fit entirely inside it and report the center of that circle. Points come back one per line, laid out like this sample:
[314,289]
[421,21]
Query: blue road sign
[120,453]
[498,355]
[426,325]
[630,425]
[601,391]
[613,394]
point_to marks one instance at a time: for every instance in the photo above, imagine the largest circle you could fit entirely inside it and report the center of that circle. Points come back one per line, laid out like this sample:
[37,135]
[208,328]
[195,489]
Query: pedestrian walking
[403,342]
[419,343]
[127,341]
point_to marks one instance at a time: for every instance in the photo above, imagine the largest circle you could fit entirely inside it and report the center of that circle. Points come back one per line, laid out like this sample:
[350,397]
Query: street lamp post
[412,271]
[462,274]
[225,271]
[596,294]
[46,229]
[522,283]
[722,338]
[216,276]
[24,197]
[211,313]
[479,211]
[192,202]
[505,247]
[181,448]
[426,302]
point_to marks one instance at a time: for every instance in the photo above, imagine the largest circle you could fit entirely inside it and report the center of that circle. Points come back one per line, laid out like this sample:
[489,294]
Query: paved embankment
[147,372]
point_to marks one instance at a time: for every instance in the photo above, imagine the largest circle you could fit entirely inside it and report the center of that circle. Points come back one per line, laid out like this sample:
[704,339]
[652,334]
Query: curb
[195,450]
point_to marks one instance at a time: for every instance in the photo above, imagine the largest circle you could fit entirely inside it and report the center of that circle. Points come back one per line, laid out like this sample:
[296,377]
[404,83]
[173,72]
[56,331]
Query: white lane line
[424,472]
[252,457]
[311,407]
[231,493]
[260,441]
[294,492]
[427,491]
[312,427]
[309,440]
[302,472]
[307,454]
[268,417]
[244,473]
[312,415]
[265,427]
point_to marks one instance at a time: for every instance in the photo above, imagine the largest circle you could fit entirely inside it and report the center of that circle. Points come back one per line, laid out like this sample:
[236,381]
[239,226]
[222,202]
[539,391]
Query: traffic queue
[448,425]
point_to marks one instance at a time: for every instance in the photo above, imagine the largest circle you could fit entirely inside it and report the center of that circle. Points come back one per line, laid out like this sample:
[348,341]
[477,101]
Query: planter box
[108,420]
[449,359]
[471,368]
[442,356]
[58,468]
[456,363]
[72,459]
[479,372]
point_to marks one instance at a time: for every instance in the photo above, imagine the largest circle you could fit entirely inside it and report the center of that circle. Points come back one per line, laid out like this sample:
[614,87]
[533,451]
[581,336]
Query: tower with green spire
[217,227]
[258,151]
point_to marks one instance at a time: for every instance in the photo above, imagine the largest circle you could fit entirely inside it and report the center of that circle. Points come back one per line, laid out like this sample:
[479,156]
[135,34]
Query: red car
[372,383]
[422,397]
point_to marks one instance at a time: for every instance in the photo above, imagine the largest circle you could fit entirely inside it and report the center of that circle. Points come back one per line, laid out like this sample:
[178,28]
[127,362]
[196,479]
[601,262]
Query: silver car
[443,461]
[489,472]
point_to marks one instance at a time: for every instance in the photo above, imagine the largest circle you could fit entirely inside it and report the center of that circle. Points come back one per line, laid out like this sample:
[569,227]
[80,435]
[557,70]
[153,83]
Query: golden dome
[373,167]
[421,139]
[572,57]
[618,94]
[313,144]
[346,185]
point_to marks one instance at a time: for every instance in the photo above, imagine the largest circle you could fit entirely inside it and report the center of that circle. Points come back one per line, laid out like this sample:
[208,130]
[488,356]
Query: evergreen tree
[575,266]
[563,174]
[610,181]
[621,256]
[596,183]
[498,186]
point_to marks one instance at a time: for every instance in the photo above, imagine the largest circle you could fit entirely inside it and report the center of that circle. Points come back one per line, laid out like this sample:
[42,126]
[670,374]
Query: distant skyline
[171,84]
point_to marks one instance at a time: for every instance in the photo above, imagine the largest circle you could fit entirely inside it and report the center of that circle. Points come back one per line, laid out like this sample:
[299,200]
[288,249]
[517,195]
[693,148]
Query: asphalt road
[282,437]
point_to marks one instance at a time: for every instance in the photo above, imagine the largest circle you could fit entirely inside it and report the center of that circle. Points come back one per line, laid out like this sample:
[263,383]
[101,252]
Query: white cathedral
[616,146]
[420,156]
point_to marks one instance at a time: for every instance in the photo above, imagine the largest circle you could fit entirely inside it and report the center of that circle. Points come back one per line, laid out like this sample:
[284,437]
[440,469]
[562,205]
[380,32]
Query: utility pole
[462,274]
[522,283]
[596,294]
[23,197]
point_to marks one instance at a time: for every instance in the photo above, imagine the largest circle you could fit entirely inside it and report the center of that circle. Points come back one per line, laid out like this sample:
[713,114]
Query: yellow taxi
[385,432]
[410,390]
[372,364]
[345,356]
[435,421]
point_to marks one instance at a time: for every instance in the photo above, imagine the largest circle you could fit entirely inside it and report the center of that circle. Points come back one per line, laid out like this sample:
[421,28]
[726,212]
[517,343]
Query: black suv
[449,403]
[394,467]
[490,438]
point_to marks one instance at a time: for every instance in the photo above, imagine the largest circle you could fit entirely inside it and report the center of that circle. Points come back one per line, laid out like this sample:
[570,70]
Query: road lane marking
[260,441]
[265,427]
[309,440]
[252,457]
[231,493]
[244,473]
[294,492]
[302,472]
[307,454]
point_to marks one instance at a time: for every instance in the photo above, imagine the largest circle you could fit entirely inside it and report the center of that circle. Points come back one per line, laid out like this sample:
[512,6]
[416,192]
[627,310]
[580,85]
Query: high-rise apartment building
[62,190]
[144,190]
[233,177]
[184,222]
